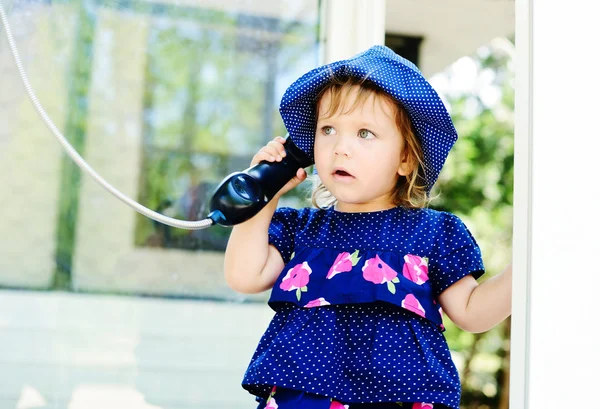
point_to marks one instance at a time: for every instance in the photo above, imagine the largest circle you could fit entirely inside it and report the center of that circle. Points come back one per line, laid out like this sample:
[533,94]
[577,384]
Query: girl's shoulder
[296,218]
[441,216]
[296,214]
[444,222]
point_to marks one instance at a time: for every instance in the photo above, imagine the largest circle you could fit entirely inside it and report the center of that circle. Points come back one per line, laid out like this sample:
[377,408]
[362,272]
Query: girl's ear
[408,162]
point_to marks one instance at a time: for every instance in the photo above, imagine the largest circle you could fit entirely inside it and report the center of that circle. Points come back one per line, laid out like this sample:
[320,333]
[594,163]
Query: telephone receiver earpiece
[241,195]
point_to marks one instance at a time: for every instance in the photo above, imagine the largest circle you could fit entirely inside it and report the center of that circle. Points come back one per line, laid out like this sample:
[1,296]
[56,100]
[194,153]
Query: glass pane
[163,99]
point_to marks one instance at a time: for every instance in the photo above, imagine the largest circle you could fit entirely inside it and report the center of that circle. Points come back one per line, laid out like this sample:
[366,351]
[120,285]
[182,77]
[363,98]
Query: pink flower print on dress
[417,405]
[317,303]
[415,268]
[297,278]
[271,404]
[412,304]
[337,405]
[343,263]
[378,272]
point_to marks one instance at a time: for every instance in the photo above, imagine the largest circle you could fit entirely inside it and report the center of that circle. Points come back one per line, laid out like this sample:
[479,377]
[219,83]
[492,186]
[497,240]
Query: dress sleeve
[455,255]
[282,231]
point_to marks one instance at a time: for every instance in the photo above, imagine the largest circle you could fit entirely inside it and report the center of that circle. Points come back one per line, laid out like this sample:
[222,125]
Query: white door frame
[350,26]
[555,341]
[520,320]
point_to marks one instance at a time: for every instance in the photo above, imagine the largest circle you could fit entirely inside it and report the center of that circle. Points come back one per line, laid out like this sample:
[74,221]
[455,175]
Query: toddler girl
[360,281]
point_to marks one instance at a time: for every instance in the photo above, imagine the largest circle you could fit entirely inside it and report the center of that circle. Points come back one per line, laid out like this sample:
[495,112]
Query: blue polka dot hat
[398,77]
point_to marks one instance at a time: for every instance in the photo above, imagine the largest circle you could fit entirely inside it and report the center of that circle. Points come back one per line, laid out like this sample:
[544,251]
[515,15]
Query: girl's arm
[479,307]
[252,265]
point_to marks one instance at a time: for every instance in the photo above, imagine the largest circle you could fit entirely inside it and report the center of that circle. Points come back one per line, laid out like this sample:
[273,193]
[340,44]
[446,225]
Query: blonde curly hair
[410,190]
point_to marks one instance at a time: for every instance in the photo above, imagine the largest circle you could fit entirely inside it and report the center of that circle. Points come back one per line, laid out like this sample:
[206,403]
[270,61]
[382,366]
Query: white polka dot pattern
[395,75]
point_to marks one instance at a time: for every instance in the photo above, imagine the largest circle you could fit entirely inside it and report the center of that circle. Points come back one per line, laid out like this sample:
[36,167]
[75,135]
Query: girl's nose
[342,146]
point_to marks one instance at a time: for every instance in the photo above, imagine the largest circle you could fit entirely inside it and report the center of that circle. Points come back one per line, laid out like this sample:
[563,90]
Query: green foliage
[477,184]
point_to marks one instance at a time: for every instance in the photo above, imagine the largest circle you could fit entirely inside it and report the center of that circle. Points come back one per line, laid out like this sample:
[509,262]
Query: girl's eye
[365,134]
[327,130]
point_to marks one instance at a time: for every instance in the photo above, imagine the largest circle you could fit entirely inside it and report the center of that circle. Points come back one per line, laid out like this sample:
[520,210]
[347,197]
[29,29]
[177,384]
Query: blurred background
[103,308]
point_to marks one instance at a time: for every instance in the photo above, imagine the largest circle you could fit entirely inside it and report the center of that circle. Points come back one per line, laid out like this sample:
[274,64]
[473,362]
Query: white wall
[556,349]
[450,29]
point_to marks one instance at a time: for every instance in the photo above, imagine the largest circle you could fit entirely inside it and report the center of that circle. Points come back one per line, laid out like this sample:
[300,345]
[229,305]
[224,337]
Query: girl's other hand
[275,152]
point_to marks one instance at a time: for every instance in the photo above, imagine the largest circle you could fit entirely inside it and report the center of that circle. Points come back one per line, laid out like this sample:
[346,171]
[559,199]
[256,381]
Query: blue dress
[356,314]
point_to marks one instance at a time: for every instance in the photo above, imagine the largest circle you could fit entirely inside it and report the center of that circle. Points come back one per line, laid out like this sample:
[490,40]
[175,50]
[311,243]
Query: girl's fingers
[266,154]
[278,147]
[272,152]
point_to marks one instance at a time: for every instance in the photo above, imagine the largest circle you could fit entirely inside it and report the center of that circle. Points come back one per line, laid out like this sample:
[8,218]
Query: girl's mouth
[342,175]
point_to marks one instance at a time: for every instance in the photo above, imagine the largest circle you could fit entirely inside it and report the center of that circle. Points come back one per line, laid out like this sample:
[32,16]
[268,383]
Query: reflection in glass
[163,100]
[209,104]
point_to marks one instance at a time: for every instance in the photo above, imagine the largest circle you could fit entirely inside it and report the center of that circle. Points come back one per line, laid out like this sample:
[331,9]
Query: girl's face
[359,152]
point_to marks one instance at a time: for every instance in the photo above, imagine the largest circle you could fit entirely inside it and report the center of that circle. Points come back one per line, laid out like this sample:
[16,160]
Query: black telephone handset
[241,195]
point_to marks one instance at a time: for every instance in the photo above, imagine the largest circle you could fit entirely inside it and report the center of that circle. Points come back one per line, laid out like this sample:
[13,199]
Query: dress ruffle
[318,277]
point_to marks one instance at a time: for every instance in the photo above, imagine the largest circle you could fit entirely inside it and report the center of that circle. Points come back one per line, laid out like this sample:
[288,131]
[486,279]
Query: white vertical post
[520,320]
[351,26]
[557,207]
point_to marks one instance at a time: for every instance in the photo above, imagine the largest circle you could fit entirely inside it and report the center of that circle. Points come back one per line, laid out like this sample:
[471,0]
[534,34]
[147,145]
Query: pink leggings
[283,398]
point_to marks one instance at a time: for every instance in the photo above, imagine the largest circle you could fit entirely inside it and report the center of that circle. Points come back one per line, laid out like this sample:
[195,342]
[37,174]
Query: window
[163,100]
